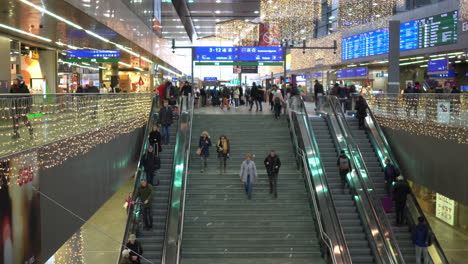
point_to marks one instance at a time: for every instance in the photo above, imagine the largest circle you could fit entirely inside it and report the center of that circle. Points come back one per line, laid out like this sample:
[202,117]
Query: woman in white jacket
[248,174]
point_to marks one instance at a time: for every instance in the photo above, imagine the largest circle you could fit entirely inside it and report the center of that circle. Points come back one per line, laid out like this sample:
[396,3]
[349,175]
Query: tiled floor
[98,240]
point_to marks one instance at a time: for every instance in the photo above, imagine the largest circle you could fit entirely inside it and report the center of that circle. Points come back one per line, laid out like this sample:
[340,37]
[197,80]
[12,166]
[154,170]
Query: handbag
[198,151]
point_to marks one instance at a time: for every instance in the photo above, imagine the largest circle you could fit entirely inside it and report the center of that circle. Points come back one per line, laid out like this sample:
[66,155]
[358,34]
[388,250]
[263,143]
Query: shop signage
[238,54]
[445,209]
[210,79]
[93,53]
[426,32]
[249,69]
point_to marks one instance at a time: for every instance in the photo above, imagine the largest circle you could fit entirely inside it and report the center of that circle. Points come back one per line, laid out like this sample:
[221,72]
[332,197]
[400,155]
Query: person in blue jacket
[204,150]
[422,238]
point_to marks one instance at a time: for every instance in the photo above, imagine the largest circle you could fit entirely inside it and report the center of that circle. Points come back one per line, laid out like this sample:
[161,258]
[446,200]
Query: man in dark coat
[20,105]
[400,193]
[390,173]
[272,164]
[151,163]
[165,120]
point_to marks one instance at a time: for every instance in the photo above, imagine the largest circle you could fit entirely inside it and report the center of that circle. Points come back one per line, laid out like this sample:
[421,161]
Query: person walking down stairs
[222,147]
[272,164]
[204,150]
[248,174]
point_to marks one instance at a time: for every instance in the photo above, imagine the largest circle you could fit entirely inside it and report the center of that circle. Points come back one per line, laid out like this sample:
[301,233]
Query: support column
[394,57]
[114,76]
[49,60]
[5,74]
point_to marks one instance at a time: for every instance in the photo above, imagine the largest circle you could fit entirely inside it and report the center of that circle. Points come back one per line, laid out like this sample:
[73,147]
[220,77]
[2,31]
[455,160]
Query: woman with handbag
[248,174]
[204,150]
[222,147]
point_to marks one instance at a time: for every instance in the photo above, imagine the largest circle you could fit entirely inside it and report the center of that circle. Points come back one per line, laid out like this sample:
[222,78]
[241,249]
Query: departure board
[422,33]
[239,54]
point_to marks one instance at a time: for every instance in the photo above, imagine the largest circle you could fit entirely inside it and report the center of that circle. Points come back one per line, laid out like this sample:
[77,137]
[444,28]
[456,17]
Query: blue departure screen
[352,73]
[261,54]
[239,54]
[439,66]
[449,74]
[427,32]
[93,53]
[206,79]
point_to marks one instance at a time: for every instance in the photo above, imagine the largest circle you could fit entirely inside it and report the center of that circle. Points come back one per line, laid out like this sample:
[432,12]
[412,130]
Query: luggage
[387,204]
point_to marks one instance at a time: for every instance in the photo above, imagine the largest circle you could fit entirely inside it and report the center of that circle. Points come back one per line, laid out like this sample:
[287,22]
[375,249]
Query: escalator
[221,225]
[375,170]
[355,235]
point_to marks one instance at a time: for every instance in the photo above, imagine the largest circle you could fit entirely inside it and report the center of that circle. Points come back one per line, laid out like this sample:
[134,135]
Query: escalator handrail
[191,103]
[323,235]
[130,225]
[385,231]
[413,201]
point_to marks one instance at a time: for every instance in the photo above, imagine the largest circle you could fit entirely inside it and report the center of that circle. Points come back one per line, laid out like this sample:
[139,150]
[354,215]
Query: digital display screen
[422,33]
[317,74]
[352,73]
[207,79]
[437,66]
[239,54]
[93,53]
[449,74]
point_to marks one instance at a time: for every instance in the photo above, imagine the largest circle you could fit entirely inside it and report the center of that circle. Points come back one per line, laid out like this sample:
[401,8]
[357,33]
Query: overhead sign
[427,32]
[92,59]
[249,69]
[93,53]
[237,63]
[175,80]
[437,66]
[210,79]
[360,72]
[238,54]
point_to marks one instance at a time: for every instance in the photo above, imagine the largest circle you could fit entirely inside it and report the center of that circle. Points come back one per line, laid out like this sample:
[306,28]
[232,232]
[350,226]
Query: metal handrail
[187,161]
[385,148]
[130,226]
[391,246]
[298,151]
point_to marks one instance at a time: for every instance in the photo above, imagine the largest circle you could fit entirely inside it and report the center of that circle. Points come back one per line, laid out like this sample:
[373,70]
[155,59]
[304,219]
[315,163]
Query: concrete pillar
[394,57]
[5,74]
[49,67]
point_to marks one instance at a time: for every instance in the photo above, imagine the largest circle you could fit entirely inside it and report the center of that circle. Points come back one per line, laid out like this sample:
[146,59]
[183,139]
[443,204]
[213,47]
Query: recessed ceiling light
[275,7]
[256,12]
[217,11]
[218,1]
[217,20]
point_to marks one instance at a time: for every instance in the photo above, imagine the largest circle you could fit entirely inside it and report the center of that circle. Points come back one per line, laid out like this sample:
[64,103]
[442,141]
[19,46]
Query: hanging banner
[20,214]
[443,111]
[269,34]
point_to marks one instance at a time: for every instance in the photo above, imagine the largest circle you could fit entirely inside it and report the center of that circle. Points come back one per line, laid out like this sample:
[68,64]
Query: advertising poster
[269,34]
[445,209]
[20,226]
[443,112]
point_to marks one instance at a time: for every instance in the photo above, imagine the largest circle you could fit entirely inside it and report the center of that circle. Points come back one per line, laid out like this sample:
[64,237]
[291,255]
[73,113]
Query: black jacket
[361,107]
[155,139]
[186,90]
[272,164]
[22,88]
[400,191]
[318,88]
[92,89]
[135,248]
[165,116]
[150,162]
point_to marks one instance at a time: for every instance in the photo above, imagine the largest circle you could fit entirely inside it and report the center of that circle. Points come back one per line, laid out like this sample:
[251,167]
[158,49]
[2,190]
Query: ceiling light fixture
[25,32]
[51,14]
[125,64]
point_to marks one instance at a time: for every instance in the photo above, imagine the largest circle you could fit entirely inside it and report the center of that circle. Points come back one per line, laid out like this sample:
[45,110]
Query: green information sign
[238,63]
[92,59]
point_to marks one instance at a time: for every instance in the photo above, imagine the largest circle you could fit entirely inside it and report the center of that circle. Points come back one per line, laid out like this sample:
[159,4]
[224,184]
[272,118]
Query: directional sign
[238,54]
[93,53]
[238,63]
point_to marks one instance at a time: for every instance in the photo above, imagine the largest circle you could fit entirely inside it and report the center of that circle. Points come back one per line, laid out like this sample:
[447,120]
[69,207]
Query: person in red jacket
[162,91]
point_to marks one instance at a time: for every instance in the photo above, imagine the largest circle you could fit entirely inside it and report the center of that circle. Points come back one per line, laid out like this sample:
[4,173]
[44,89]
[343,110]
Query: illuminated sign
[93,54]
[238,54]
[360,72]
[437,66]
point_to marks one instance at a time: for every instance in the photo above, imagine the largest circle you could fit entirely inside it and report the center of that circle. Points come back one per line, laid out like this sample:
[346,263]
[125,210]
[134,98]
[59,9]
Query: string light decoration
[464,10]
[356,12]
[72,251]
[240,32]
[398,113]
[121,116]
[295,17]
[55,117]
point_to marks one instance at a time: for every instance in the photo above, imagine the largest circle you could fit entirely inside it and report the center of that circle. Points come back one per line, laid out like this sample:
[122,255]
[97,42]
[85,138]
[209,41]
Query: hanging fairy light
[242,33]
[357,12]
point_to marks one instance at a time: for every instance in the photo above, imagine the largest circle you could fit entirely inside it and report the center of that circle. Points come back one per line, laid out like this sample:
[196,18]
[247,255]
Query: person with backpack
[318,93]
[222,147]
[248,92]
[344,165]
[203,151]
[278,102]
[150,163]
[272,164]
[391,173]
[422,238]
[361,109]
[165,120]
[400,193]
